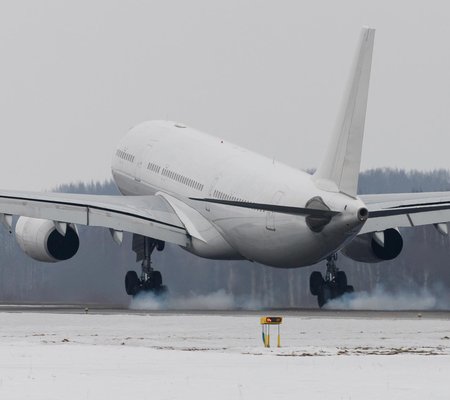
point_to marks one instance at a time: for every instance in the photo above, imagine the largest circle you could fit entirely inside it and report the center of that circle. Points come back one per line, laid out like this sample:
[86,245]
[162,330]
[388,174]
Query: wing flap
[44,210]
[430,217]
[145,215]
[383,223]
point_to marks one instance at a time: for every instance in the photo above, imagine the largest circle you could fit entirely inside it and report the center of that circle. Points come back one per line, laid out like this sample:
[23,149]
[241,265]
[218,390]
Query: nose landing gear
[150,280]
[333,286]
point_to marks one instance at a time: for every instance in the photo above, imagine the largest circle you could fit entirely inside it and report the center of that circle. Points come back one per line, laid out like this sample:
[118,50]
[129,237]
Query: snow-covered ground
[48,355]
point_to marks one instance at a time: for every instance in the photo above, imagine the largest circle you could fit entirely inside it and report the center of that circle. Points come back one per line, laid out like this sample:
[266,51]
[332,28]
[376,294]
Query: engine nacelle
[369,249]
[40,240]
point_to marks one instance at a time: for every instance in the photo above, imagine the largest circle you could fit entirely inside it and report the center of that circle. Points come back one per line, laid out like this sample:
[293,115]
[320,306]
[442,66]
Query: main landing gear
[151,280]
[334,285]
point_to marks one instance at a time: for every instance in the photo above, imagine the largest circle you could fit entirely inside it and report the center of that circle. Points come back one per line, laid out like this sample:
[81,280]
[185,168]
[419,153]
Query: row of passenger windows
[182,179]
[124,155]
[224,196]
[165,172]
[153,167]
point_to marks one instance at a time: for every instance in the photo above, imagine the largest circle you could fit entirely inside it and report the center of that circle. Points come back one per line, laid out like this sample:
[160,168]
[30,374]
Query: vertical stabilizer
[340,168]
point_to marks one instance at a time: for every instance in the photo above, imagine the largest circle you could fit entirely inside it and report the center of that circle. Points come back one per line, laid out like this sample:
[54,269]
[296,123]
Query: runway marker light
[265,325]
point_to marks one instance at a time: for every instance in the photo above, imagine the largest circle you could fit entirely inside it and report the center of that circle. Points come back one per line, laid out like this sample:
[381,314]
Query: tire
[315,282]
[324,295]
[341,282]
[132,283]
[156,279]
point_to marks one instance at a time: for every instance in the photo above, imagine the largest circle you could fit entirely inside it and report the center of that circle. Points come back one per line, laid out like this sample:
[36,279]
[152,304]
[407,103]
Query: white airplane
[220,201]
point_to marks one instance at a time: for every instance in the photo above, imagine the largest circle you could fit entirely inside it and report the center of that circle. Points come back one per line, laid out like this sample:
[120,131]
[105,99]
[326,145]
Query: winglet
[340,168]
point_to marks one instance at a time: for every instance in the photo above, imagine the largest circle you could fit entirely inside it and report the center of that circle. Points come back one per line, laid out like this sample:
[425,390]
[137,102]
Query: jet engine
[375,247]
[41,240]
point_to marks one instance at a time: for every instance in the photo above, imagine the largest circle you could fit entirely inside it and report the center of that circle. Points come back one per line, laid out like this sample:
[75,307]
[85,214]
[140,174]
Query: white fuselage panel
[162,156]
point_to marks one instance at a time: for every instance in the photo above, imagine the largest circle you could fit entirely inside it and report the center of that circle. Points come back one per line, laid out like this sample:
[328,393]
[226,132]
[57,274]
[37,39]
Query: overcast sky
[268,75]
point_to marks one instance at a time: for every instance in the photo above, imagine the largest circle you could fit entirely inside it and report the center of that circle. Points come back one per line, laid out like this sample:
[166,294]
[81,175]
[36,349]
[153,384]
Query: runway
[294,312]
[116,353]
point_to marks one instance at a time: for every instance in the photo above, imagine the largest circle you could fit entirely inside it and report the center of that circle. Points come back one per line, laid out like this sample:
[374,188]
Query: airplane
[220,201]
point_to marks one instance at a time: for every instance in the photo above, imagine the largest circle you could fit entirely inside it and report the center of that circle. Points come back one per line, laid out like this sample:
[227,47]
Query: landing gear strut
[334,285]
[150,280]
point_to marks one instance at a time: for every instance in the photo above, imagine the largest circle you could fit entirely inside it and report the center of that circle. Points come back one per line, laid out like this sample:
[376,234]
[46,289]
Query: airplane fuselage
[162,157]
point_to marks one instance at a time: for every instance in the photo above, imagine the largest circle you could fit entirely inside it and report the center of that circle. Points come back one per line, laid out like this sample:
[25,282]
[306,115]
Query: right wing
[150,216]
[398,210]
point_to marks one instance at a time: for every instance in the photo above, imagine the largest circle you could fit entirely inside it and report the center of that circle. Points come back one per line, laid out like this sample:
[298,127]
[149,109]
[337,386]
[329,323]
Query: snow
[159,355]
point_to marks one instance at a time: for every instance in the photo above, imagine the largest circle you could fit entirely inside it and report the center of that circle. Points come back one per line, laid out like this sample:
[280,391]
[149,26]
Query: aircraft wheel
[341,282]
[153,283]
[315,282]
[324,295]
[156,278]
[132,283]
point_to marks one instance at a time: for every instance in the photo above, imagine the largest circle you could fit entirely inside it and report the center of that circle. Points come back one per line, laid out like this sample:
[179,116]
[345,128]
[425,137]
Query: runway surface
[294,312]
[91,352]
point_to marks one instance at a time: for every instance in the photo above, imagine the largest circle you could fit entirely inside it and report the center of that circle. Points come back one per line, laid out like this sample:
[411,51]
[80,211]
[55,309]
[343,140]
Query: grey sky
[76,75]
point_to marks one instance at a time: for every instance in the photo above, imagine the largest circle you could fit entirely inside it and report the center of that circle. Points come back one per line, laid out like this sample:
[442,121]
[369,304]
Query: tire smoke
[219,300]
[403,299]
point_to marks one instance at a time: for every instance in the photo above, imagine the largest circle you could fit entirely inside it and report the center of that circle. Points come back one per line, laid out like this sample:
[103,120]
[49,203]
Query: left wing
[405,210]
[150,216]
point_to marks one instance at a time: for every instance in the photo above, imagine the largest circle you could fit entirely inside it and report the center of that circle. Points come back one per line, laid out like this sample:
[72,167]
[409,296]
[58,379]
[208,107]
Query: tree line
[96,273]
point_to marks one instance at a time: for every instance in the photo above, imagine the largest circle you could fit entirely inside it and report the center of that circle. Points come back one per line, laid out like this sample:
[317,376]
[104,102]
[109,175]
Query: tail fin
[340,168]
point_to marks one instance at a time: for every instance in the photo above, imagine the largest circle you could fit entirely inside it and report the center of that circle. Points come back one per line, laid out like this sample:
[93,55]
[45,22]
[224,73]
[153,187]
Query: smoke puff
[219,300]
[380,299]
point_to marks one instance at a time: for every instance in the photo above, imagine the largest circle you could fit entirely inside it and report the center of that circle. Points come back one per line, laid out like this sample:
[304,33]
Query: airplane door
[140,161]
[211,191]
[270,216]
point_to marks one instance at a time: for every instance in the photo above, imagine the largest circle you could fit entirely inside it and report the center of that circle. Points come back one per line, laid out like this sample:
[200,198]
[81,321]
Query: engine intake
[40,240]
[370,249]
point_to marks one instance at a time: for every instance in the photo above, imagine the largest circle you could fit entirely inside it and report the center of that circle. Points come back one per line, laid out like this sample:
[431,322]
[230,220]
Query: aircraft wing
[149,216]
[405,210]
